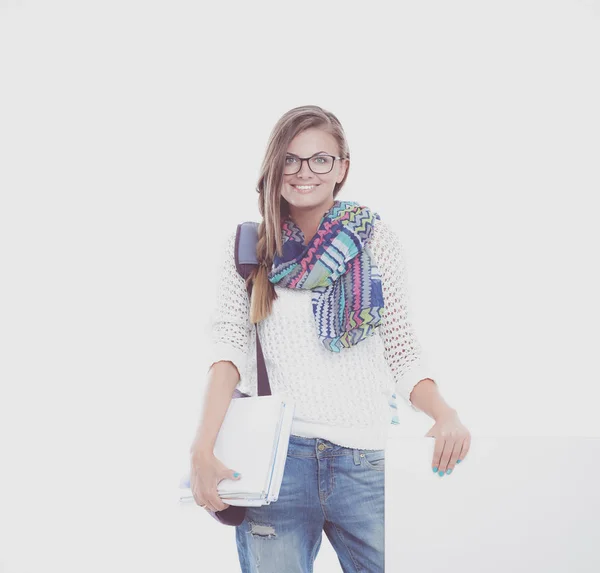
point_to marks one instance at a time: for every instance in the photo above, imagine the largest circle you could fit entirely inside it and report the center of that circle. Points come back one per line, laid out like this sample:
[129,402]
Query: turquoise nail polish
[441,474]
[458,461]
[236,475]
[449,472]
[435,470]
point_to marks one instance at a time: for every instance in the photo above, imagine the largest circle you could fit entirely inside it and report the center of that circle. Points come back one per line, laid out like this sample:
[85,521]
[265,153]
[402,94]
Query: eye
[290,160]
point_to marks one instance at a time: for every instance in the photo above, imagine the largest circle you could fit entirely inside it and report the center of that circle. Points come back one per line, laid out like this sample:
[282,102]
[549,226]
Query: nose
[304,170]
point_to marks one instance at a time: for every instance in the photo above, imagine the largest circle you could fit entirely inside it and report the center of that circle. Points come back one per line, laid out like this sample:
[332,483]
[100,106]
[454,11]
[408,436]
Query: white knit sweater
[342,397]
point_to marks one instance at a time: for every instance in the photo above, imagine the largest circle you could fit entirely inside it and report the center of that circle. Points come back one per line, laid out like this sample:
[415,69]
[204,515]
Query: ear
[343,169]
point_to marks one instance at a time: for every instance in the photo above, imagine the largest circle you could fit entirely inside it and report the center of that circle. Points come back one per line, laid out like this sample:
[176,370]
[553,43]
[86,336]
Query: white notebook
[253,440]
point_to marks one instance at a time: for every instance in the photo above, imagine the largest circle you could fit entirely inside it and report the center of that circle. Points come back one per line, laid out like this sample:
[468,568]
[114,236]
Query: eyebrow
[317,153]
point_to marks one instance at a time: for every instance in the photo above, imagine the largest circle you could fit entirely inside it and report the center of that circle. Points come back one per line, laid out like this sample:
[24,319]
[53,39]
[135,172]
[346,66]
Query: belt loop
[356,455]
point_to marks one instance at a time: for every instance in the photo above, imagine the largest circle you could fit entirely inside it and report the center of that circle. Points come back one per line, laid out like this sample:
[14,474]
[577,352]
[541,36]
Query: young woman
[330,301]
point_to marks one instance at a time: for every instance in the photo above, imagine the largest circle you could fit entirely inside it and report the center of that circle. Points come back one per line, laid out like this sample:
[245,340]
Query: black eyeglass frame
[308,163]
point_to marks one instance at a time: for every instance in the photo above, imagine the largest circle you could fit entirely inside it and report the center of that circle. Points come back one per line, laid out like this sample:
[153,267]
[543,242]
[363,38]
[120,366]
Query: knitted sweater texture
[342,397]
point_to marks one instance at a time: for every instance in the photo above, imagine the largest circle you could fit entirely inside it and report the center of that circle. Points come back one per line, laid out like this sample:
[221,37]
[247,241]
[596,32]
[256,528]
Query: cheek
[328,182]
[286,189]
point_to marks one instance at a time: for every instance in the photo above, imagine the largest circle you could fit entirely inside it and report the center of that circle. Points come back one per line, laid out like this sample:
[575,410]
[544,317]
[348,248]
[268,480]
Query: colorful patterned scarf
[347,310]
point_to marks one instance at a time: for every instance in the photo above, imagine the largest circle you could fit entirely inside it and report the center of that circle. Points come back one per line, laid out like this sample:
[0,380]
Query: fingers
[215,501]
[442,455]
[466,446]
[207,495]
[214,504]
[202,498]
[208,503]
[446,455]
[452,452]
[437,453]
[198,499]
[213,496]
[456,449]
[454,457]
[210,500]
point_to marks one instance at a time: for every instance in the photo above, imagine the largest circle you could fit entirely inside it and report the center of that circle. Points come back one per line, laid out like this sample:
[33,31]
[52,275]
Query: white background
[131,136]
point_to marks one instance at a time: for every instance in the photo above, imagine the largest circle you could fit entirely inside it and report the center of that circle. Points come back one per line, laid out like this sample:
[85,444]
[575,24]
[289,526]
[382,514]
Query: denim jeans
[325,487]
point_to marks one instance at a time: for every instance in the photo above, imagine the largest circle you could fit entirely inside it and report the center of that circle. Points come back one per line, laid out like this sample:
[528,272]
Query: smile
[303,188]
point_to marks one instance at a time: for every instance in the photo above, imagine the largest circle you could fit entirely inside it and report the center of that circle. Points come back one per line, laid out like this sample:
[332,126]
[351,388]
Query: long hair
[272,206]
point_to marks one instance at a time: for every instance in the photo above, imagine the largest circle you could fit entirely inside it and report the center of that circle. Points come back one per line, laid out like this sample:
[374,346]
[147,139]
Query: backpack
[246,238]
[245,261]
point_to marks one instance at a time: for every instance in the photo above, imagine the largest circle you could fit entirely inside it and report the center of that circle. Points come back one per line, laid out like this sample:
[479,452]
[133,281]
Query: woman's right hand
[206,472]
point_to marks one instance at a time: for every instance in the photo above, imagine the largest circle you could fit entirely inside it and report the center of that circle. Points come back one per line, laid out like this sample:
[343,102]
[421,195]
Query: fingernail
[435,470]
[441,474]
[236,475]
[449,472]
[458,461]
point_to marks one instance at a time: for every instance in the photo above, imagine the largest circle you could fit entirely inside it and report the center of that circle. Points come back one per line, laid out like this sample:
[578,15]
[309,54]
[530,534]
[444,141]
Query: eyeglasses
[319,164]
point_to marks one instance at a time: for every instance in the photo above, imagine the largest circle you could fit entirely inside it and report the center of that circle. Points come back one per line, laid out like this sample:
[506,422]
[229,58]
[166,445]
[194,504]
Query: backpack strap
[246,238]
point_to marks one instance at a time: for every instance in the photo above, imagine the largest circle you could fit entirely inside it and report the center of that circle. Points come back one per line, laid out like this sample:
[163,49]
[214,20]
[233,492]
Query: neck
[308,219]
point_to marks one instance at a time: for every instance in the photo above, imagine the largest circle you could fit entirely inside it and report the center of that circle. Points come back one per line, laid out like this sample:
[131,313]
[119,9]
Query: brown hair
[272,206]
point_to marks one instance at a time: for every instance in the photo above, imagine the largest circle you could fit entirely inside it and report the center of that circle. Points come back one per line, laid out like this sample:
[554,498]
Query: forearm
[426,397]
[222,380]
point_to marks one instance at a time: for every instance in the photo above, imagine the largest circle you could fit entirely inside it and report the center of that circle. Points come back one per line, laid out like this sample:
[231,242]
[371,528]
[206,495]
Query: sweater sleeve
[403,352]
[229,324]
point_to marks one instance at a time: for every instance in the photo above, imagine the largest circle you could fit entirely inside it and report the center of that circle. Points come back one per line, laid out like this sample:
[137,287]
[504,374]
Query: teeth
[303,187]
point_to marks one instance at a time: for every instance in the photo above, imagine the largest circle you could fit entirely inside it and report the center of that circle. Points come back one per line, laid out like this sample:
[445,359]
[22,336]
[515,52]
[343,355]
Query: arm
[427,398]
[229,338]
[403,353]
[223,377]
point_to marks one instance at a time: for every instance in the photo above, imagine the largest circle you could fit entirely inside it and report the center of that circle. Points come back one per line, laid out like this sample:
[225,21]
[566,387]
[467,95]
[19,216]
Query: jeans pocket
[374,459]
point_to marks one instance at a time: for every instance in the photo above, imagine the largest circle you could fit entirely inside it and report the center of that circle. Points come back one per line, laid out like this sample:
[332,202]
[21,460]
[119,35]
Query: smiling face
[306,190]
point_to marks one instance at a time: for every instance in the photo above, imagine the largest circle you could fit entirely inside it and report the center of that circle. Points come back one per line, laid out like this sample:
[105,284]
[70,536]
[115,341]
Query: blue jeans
[325,487]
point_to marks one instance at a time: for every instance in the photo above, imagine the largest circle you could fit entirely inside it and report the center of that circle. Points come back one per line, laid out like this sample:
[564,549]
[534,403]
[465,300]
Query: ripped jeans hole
[263,530]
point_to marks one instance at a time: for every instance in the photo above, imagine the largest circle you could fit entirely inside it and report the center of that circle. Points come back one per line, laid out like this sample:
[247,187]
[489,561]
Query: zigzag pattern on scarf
[336,251]
[354,319]
[359,332]
[361,221]
[295,234]
[337,266]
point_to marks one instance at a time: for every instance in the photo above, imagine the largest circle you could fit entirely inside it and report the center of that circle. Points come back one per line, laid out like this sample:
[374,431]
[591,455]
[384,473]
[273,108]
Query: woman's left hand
[452,442]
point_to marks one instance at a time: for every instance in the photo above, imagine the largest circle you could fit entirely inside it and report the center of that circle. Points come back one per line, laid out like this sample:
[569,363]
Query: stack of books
[253,440]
